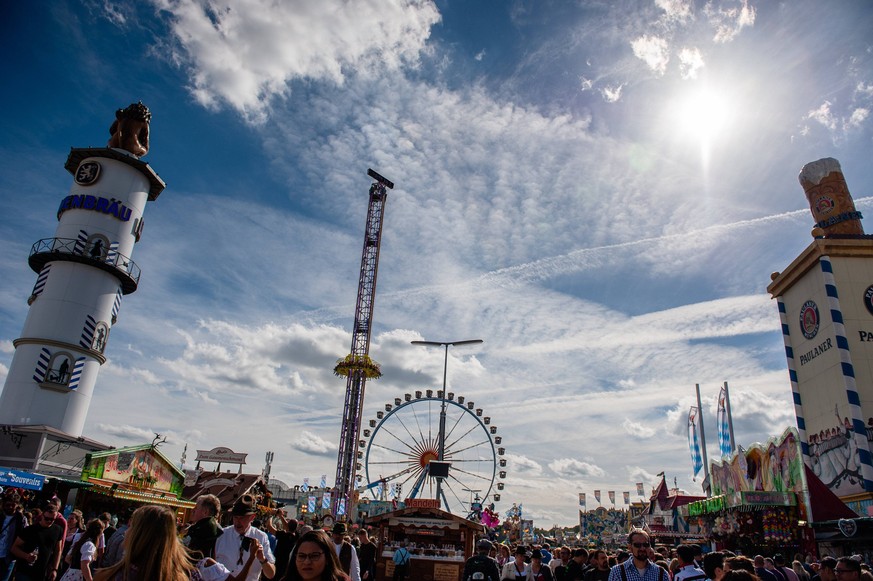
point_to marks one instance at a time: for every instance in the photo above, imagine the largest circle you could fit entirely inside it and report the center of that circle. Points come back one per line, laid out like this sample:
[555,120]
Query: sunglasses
[838,571]
[640,545]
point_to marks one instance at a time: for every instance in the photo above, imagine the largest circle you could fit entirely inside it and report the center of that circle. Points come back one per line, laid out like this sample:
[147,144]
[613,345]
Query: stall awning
[826,506]
[166,499]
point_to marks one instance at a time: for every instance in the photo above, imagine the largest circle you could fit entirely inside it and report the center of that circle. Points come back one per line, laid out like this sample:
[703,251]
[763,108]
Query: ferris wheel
[400,452]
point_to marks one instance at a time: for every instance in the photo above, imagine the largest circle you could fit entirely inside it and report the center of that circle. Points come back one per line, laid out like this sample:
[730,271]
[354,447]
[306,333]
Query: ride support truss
[357,367]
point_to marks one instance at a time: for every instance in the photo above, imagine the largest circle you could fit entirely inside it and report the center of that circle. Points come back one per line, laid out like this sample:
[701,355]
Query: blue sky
[599,190]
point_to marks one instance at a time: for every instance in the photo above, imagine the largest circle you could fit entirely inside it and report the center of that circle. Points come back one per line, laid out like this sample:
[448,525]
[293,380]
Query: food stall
[439,542]
[128,478]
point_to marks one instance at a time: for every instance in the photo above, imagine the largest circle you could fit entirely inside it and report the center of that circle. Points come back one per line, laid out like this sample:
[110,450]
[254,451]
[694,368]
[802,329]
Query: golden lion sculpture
[130,130]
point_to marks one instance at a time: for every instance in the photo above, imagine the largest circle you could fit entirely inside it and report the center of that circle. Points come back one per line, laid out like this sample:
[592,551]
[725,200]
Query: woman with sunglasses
[314,559]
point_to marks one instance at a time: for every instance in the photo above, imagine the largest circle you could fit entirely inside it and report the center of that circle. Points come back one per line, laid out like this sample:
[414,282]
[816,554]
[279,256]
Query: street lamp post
[441,448]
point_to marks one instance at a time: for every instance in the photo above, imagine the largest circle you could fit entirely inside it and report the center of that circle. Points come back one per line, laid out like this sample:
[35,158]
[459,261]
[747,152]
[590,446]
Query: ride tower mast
[357,367]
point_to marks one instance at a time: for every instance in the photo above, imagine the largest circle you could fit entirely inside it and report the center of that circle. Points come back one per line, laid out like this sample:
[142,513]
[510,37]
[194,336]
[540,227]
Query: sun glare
[702,115]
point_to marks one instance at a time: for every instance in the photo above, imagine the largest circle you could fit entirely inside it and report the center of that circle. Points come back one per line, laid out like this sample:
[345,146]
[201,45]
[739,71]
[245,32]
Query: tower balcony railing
[69,249]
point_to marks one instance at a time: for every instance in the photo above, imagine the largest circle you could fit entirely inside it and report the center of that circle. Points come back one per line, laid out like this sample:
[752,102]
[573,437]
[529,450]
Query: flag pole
[706,487]
[727,405]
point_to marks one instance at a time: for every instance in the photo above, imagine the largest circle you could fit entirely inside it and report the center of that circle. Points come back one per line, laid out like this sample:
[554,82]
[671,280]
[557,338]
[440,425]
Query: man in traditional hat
[235,544]
[348,557]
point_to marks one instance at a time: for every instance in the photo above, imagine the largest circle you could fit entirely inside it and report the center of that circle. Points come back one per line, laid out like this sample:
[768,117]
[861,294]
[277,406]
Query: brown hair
[92,533]
[152,549]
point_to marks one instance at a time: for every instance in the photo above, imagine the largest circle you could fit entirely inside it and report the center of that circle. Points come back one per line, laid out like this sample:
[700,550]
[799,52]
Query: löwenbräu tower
[83,272]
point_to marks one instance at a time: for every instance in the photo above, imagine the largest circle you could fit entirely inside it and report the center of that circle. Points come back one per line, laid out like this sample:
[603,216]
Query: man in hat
[234,546]
[348,557]
[481,567]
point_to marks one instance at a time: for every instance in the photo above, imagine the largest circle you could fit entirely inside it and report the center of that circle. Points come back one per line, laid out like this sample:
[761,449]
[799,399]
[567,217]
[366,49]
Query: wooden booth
[440,542]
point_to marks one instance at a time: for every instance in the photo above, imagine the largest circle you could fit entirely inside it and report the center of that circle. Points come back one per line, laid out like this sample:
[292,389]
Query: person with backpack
[481,567]
[401,562]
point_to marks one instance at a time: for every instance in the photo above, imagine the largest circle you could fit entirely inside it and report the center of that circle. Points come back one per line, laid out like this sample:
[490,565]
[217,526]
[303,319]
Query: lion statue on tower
[130,130]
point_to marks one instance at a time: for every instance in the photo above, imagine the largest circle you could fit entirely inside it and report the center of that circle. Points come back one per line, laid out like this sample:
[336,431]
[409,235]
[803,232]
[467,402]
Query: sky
[597,190]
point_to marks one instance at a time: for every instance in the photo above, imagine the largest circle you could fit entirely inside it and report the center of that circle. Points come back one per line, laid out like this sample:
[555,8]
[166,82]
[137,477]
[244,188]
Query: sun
[702,114]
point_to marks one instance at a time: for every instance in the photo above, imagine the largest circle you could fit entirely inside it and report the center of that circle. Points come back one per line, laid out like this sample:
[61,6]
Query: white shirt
[227,551]
[354,567]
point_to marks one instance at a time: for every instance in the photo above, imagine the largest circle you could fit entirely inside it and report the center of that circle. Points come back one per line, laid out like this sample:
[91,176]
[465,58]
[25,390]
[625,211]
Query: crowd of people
[149,544]
[642,561]
[40,544]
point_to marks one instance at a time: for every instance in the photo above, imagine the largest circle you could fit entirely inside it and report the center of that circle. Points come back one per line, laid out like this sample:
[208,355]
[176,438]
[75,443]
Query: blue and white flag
[693,442]
[325,501]
[305,487]
[582,499]
[724,434]
[392,491]
[323,483]
[310,506]
[341,507]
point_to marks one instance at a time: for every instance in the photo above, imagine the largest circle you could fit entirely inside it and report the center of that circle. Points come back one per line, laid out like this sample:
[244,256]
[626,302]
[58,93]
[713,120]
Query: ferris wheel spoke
[475,444]
[446,484]
[406,428]
[455,425]
[398,474]
[387,462]
[464,435]
[384,447]
[398,438]
[418,424]
[472,474]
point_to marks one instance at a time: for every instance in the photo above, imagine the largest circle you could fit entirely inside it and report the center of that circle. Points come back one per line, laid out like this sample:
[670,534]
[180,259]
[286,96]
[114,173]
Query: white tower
[83,273]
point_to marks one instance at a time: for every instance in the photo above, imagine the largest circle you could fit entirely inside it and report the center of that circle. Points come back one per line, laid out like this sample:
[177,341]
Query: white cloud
[611,94]
[480,55]
[858,116]
[636,429]
[522,465]
[235,55]
[729,17]
[677,10]
[313,444]
[652,50]
[690,62]
[570,467]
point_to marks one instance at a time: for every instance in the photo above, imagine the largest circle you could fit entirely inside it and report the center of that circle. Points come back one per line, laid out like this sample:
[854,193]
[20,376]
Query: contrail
[574,261]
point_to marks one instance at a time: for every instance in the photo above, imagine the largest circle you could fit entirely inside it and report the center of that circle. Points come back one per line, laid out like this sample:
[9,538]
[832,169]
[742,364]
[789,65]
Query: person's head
[520,554]
[769,563]
[740,563]
[503,550]
[48,514]
[152,547]
[740,575]
[779,560]
[105,517]
[536,558]
[713,565]
[686,554]
[638,544]
[580,555]
[621,557]
[847,569]
[600,559]
[10,503]
[826,569]
[243,513]
[338,533]
[483,546]
[207,506]
[314,558]
[363,535]
[565,554]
